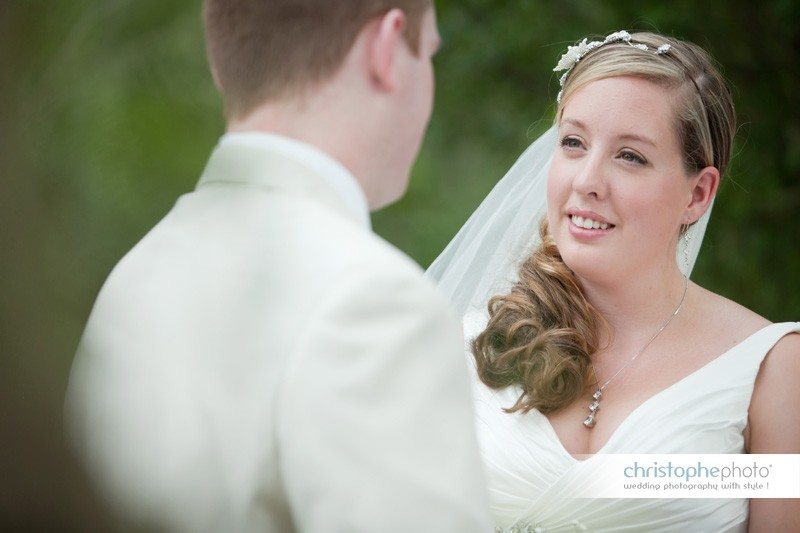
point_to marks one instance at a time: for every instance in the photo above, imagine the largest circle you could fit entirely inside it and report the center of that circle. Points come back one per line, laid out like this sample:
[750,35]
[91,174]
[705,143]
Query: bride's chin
[588,261]
[587,266]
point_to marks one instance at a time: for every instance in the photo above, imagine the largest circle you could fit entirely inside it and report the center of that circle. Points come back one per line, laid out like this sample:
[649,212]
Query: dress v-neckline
[646,402]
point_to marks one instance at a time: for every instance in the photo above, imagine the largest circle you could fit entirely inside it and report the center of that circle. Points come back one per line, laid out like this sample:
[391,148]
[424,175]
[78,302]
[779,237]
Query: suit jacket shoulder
[251,345]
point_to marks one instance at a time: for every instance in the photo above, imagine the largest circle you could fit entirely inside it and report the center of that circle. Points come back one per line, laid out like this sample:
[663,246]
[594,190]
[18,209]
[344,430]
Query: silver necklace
[595,405]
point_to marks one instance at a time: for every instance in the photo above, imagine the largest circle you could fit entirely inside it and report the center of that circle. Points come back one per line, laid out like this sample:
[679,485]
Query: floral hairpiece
[576,53]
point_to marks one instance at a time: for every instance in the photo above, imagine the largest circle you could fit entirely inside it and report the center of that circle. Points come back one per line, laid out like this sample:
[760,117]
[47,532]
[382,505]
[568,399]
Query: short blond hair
[265,50]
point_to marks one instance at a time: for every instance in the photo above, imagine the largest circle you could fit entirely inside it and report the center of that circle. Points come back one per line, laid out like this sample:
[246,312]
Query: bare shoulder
[736,322]
[733,322]
[772,427]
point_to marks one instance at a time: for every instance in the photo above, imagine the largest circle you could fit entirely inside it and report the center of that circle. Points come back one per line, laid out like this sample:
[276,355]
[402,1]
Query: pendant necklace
[595,405]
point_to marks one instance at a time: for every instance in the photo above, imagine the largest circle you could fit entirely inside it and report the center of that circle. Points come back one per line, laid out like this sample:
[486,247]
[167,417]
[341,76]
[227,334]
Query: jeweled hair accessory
[576,53]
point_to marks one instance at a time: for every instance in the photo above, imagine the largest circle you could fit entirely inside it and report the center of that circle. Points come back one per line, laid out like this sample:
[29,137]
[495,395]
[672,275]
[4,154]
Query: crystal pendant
[593,407]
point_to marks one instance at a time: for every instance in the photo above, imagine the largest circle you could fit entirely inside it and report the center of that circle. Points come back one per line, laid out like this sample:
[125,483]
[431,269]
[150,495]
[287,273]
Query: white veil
[482,259]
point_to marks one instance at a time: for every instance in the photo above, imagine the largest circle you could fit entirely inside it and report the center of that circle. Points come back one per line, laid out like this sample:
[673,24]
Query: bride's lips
[588,224]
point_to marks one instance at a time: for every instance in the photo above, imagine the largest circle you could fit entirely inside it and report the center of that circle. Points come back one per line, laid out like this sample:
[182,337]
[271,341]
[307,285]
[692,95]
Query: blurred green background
[108,114]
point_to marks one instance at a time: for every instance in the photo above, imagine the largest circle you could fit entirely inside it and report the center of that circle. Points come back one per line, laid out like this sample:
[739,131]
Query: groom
[261,361]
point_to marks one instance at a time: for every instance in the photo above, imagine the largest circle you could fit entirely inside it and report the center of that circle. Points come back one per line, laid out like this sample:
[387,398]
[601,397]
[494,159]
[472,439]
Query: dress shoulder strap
[759,344]
[742,362]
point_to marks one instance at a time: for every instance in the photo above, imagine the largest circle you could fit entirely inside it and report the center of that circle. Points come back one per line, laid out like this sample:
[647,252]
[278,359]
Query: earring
[685,230]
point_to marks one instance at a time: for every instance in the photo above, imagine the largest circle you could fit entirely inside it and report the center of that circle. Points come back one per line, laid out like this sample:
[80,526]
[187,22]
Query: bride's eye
[632,157]
[571,143]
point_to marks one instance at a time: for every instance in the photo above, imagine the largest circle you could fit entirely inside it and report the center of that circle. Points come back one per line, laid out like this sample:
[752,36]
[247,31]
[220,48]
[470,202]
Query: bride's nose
[590,179]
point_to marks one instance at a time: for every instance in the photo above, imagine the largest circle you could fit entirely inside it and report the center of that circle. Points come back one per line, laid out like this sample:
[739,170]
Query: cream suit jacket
[261,361]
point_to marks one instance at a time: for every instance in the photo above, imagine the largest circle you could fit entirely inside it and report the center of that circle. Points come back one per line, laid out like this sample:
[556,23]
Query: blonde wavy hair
[541,335]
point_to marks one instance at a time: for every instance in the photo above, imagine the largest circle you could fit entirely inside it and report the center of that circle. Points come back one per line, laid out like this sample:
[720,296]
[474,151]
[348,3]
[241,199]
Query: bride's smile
[588,224]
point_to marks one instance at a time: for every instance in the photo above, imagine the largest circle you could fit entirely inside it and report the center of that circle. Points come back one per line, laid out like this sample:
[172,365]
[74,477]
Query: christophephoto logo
[693,476]
[698,475]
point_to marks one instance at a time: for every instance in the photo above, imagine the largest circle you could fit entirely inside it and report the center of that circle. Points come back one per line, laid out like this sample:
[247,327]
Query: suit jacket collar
[287,167]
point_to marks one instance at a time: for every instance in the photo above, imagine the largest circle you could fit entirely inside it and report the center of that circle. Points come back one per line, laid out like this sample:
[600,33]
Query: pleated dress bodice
[531,475]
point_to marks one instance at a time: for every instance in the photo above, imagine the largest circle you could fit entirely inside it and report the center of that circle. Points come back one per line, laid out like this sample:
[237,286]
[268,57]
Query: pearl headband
[576,53]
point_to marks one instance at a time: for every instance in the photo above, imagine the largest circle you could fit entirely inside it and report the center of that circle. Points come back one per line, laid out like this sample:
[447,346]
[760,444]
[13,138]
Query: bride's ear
[704,189]
[384,47]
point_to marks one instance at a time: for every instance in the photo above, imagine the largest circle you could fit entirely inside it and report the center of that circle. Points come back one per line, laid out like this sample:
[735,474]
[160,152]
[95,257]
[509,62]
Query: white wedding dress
[530,474]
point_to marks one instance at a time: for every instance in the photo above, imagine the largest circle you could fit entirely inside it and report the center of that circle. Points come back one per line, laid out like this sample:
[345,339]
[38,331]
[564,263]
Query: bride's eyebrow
[625,137]
[635,137]
[574,122]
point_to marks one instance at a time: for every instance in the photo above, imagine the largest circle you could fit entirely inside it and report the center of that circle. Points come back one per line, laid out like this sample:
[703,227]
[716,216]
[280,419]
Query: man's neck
[321,126]
[311,158]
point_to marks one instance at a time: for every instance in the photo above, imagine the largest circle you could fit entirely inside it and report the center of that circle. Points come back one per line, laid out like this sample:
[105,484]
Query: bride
[587,336]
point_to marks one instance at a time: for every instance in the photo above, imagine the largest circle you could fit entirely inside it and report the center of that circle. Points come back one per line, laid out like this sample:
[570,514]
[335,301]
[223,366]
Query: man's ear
[385,48]
[215,76]
[706,183]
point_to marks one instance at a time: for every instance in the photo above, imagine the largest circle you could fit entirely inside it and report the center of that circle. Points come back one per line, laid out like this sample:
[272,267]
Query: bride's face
[618,169]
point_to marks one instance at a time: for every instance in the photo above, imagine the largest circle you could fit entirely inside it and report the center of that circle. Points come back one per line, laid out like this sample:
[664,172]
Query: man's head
[351,77]
[268,50]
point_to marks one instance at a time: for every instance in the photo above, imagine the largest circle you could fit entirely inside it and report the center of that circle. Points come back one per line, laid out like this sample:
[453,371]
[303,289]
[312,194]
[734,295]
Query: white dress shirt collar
[333,172]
